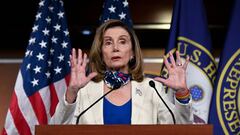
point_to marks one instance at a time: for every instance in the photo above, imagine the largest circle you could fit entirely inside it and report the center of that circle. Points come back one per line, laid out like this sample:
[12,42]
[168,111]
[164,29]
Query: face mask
[116,79]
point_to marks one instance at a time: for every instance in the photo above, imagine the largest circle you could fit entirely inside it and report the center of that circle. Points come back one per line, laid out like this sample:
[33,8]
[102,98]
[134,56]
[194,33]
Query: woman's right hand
[78,77]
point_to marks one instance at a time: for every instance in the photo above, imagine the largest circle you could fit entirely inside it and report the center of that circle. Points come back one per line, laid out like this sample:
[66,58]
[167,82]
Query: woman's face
[117,49]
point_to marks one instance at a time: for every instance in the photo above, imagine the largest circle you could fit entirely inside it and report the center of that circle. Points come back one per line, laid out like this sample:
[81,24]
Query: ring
[179,64]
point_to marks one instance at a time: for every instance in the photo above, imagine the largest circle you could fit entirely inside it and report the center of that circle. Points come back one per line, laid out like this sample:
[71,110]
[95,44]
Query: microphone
[114,88]
[152,84]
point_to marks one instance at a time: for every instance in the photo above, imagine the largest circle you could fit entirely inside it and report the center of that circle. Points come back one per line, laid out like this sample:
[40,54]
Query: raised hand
[78,77]
[177,73]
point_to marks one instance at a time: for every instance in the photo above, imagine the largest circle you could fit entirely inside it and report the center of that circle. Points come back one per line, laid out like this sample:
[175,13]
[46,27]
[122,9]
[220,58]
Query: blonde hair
[95,57]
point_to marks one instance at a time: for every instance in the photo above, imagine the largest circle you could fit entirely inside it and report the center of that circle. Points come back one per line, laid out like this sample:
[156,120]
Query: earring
[131,58]
[132,61]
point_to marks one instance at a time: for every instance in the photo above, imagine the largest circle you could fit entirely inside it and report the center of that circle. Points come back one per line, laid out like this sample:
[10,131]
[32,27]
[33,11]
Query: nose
[115,47]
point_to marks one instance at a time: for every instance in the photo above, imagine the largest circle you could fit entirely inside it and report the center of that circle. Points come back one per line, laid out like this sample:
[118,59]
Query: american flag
[116,9]
[44,73]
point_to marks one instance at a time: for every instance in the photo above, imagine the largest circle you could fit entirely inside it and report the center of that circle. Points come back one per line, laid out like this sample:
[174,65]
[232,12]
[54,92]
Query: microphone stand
[152,84]
[93,104]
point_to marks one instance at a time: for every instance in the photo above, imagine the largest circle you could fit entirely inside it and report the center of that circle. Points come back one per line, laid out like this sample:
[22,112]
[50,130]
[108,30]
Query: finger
[73,69]
[178,60]
[166,63]
[84,60]
[79,57]
[73,59]
[172,59]
[159,79]
[186,62]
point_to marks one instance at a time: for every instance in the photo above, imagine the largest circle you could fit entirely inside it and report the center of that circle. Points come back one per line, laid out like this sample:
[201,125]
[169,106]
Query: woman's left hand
[177,73]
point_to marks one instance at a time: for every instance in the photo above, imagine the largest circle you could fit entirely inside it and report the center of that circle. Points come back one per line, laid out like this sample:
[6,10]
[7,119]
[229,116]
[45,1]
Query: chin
[118,67]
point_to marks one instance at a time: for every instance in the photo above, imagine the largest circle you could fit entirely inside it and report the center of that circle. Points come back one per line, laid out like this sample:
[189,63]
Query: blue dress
[113,114]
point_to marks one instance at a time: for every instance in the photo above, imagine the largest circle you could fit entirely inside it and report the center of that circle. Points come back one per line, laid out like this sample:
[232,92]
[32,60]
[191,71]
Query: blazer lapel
[137,101]
[94,93]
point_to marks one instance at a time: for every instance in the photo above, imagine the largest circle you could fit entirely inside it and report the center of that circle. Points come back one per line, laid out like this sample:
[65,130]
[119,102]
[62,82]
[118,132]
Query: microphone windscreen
[152,84]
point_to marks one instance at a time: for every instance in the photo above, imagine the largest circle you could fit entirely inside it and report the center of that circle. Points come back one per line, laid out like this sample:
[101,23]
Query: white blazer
[147,107]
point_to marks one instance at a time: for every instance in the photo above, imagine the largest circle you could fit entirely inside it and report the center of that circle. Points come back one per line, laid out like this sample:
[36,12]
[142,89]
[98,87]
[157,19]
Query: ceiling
[81,14]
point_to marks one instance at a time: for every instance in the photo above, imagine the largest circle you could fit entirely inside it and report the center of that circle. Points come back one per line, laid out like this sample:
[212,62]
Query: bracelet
[183,95]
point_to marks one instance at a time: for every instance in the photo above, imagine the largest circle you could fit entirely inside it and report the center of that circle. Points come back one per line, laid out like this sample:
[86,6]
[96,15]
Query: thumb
[91,76]
[159,79]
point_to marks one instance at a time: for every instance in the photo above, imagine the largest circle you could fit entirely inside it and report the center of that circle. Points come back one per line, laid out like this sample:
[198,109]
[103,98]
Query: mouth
[115,58]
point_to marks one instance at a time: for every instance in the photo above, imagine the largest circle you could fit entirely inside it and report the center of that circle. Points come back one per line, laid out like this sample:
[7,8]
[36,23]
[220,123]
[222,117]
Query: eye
[123,41]
[107,43]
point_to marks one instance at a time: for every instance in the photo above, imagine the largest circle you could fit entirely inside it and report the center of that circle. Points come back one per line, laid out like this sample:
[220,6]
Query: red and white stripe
[26,112]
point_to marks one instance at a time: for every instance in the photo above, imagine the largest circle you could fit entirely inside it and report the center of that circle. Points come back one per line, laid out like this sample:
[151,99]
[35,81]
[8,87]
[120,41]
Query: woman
[116,63]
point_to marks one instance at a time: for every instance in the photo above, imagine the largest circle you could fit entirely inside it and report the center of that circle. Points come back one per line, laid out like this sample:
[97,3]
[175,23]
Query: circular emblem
[197,93]
[227,95]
